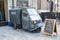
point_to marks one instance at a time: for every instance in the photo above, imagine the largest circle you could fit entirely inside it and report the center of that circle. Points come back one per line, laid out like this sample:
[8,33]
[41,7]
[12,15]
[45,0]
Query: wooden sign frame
[6,10]
[54,30]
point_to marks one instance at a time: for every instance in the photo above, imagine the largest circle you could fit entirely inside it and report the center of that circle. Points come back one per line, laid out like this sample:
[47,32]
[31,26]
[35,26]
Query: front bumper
[36,27]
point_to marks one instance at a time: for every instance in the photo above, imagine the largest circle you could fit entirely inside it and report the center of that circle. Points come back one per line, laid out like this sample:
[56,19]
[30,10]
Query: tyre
[36,30]
[17,26]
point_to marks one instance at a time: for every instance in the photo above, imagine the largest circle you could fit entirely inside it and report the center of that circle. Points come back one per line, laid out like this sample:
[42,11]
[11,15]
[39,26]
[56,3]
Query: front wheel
[37,30]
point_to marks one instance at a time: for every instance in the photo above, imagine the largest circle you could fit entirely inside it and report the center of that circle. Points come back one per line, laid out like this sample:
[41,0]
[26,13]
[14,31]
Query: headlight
[33,22]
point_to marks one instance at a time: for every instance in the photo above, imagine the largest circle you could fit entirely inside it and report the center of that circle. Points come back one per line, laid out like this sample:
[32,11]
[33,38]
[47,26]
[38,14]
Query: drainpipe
[51,6]
[12,3]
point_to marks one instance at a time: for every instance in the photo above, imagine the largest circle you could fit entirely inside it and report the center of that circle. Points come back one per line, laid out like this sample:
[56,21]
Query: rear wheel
[14,26]
[17,26]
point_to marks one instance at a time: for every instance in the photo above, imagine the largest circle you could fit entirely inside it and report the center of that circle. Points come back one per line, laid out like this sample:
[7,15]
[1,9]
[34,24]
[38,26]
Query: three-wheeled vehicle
[31,20]
[28,18]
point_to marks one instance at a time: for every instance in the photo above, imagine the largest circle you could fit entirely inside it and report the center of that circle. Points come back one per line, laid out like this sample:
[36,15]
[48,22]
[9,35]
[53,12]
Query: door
[2,11]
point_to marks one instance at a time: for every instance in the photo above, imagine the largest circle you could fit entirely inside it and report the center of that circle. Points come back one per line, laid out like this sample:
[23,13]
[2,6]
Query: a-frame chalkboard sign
[50,27]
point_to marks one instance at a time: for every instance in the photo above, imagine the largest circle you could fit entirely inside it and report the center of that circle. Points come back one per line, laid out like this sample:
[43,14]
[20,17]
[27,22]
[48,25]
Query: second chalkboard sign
[50,26]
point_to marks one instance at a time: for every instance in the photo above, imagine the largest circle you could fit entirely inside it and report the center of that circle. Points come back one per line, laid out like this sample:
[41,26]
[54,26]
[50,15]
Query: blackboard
[50,27]
[49,24]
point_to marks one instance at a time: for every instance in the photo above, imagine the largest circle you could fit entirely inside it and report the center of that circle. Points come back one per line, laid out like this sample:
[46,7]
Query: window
[22,3]
[19,3]
[25,3]
[39,4]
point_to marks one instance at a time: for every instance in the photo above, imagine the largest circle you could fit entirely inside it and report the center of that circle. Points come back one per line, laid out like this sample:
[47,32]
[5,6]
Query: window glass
[39,4]
[22,3]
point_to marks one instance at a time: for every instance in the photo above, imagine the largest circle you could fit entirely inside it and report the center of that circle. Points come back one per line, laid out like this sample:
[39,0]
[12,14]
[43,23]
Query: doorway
[2,11]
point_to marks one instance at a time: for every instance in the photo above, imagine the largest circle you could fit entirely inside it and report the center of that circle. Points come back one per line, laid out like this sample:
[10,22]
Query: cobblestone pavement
[8,33]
